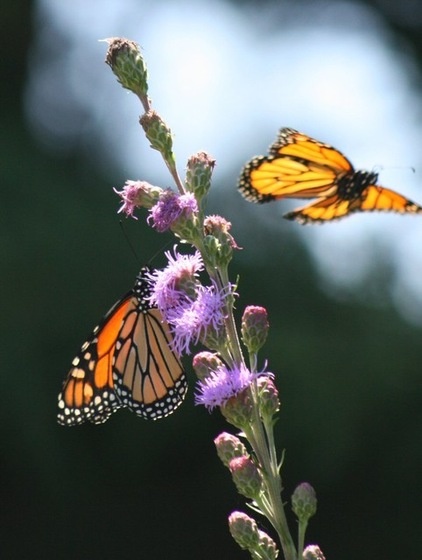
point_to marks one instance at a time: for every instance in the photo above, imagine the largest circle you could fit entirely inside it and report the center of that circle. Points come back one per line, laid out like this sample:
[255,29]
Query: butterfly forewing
[88,390]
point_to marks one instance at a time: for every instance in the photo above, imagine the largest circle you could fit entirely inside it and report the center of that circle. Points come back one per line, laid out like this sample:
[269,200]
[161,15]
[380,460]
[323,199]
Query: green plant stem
[173,172]
[265,452]
[301,537]
[231,329]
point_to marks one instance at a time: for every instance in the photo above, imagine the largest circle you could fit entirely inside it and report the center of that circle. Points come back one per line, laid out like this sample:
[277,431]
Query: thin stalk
[268,460]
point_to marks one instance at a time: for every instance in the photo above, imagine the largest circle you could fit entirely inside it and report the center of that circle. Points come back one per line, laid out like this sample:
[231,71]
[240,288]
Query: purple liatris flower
[193,319]
[166,284]
[222,384]
[137,194]
[170,208]
[191,310]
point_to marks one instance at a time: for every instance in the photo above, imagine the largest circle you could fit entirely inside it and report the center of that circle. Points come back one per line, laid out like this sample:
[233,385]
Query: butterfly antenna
[382,167]
[133,251]
[129,242]
[161,250]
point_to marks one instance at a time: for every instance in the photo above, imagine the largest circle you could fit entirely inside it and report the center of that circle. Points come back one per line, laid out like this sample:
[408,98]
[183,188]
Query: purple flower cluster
[170,208]
[189,308]
[222,384]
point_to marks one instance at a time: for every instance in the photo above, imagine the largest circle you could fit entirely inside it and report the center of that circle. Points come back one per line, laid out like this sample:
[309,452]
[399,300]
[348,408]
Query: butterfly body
[300,167]
[126,362]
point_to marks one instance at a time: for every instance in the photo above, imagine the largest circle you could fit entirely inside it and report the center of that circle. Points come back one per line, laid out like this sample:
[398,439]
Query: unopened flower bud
[229,447]
[269,402]
[219,243]
[246,476]
[214,338]
[125,59]
[267,546]
[304,502]
[238,410]
[198,174]
[159,135]
[313,552]
[204,363]
[254,328]
[244,530]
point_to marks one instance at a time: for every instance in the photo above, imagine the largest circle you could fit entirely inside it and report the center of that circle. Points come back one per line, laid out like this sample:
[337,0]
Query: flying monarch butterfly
[125,362]
[300,167]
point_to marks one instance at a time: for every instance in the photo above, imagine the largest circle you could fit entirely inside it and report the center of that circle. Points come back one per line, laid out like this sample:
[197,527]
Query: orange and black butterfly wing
[149,378]
[373,198]
[126,362]
[297,167]
[379,198]
[88,391]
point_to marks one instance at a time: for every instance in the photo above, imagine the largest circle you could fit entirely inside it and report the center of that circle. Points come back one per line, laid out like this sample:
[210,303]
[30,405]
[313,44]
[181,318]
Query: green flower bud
[198,174]
[269,402]
[304,502]
[267,547]
[229,447]
[186,227]
[244,530]
[238,410]
[218,242]
[125,59]
[211,250]
[214,338]
[159,135]
[254,328]
[204,363]
[246,476]
[313,552]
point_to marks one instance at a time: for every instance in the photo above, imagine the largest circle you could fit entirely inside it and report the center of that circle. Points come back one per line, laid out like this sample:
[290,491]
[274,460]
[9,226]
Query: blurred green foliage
[349,376]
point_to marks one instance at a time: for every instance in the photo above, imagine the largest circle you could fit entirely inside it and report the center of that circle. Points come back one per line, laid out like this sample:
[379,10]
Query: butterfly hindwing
[300,167]
[149,377]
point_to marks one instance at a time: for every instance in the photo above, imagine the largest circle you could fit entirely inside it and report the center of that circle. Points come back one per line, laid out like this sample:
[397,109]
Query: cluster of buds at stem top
[125,60]
[245,532]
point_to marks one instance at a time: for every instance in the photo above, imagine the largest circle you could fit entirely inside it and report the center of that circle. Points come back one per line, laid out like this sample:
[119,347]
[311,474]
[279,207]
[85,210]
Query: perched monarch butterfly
[126,362]
[300,167]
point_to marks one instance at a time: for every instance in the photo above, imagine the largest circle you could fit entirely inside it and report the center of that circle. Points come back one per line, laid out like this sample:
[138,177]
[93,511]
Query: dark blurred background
[348,362]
